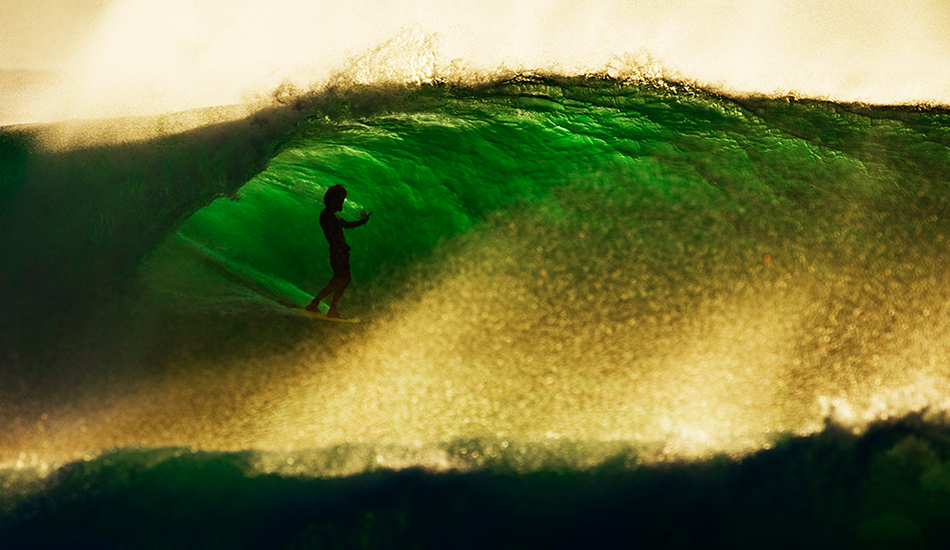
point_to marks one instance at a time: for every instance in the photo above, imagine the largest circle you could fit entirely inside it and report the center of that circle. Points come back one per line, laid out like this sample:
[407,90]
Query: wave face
[590,267]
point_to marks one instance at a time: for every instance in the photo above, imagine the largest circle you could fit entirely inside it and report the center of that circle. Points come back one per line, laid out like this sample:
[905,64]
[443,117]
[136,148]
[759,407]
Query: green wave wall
[780,177]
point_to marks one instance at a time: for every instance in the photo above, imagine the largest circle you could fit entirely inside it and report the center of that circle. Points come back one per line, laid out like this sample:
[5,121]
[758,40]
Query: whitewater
[616,304]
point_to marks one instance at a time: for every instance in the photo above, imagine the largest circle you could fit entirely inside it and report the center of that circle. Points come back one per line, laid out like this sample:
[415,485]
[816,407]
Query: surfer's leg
[327,290]
[340,266]
[341,274]
[336,299]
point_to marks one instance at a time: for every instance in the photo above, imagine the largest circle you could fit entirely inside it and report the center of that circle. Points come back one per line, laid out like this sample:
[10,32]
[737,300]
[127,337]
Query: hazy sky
[131,56]
[43,34]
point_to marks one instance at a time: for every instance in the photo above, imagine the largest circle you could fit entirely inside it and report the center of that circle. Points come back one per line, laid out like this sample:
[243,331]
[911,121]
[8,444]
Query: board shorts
[340,263]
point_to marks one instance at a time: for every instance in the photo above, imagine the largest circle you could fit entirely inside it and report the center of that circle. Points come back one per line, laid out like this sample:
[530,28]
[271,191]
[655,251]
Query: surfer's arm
[364,217]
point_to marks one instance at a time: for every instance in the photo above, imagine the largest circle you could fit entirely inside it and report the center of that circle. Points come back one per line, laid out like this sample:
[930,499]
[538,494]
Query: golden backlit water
[503,351]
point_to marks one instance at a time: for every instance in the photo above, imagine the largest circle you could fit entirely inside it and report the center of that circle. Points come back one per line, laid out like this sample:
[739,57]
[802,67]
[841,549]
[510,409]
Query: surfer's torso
[333,230]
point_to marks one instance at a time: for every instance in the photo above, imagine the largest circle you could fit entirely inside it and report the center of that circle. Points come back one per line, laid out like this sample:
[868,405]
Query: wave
[612,275]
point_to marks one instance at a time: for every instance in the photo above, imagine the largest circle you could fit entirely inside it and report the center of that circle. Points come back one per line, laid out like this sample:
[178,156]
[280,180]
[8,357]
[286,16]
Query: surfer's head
[335,197]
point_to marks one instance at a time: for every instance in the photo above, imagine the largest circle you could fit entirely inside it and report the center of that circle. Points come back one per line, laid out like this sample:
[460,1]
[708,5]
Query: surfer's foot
[314,306]
[334,314]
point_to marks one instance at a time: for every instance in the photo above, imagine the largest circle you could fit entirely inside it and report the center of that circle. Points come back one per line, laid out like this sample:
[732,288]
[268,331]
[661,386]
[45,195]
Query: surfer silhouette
[333,226]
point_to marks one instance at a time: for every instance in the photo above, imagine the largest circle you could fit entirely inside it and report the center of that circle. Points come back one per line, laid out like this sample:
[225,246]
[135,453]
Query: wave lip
[131,60]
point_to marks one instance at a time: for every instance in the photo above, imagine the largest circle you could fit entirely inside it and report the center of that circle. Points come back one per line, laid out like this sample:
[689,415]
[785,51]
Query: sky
[122,57]
[41,34]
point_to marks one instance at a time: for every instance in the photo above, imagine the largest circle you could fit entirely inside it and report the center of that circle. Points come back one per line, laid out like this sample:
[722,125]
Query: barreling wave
[618,283]
[578,257]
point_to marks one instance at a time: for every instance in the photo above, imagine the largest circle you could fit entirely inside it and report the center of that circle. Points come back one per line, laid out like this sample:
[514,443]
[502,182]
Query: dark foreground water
[628,313]
[887,489]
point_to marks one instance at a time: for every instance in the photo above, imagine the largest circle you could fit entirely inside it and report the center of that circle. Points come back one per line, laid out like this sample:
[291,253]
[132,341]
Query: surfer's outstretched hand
[364,215]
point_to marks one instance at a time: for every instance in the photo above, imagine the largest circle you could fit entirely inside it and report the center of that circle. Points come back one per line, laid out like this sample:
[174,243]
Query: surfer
[333,226]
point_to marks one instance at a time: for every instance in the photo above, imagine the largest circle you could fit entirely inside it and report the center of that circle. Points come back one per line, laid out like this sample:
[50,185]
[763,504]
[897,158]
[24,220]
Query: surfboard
[323,316]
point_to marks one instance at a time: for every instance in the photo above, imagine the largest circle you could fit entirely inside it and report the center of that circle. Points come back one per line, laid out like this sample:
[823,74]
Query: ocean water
[599,311]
